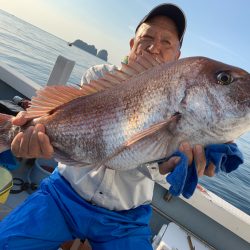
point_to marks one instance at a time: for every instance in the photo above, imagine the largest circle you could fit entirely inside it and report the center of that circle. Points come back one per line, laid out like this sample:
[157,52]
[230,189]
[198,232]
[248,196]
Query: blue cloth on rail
[184,179]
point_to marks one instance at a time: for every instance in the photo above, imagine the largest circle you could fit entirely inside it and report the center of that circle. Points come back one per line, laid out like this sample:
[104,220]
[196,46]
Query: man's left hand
[196,153]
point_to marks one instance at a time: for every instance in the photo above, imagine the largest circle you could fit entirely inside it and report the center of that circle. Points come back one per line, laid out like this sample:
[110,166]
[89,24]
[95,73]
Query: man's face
[159,37]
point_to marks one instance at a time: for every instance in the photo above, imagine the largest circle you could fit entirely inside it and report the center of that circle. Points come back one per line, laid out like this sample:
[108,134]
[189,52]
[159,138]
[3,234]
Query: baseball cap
[171,11]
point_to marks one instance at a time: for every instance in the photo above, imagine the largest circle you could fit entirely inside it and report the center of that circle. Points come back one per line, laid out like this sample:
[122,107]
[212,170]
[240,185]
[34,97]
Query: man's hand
[33,142]
[197,154]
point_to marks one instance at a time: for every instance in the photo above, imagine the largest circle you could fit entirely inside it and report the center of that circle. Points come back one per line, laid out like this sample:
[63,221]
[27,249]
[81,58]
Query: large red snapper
[141,113]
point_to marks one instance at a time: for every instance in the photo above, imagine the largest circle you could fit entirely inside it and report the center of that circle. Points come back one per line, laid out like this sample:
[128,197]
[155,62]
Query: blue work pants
[56,213]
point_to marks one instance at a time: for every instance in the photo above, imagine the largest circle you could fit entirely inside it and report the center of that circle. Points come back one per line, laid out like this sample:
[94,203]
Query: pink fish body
[142,112]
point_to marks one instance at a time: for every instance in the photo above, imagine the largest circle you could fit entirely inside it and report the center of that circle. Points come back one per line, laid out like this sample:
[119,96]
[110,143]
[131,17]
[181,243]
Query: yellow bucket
[6,184]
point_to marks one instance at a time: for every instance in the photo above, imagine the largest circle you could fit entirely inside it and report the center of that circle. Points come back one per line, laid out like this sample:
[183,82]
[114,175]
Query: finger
[159,59]
[187,150]
[210,170]
[46,148]
[34,143]
[169,165]
[24,144]
[15,145]
[20,119]
[200,159]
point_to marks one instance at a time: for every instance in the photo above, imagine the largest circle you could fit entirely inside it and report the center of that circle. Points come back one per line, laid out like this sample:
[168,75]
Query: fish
[141,112]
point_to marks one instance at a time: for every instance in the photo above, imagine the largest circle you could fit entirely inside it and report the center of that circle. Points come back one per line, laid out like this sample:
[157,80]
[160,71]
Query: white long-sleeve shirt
[108,188]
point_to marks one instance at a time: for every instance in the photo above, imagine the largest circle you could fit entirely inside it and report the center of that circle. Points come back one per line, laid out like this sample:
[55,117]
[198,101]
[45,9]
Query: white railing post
[61,71]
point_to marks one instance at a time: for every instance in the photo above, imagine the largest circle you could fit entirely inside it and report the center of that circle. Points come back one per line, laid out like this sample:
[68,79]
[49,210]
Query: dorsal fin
[51,97]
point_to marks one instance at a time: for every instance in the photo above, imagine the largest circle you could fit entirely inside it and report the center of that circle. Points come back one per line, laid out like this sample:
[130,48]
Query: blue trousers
[56,213]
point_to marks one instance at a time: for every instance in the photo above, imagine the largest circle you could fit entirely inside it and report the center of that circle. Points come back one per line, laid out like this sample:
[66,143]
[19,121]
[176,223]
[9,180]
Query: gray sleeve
[96,72]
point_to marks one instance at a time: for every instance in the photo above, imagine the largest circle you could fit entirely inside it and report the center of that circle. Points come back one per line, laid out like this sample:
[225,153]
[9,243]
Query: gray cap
[171,11]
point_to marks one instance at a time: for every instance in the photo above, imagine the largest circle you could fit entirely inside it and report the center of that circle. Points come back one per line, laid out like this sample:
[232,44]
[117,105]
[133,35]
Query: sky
[218,29]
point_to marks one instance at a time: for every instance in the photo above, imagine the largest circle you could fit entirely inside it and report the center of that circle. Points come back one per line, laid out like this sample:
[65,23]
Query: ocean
[33,52]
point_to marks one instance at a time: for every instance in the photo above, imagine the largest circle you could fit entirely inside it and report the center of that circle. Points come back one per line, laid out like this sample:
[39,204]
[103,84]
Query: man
[110,208]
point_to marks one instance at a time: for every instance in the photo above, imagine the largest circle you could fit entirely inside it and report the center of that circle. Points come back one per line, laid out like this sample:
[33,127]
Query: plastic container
[42,169]
[5,184]
[8,160]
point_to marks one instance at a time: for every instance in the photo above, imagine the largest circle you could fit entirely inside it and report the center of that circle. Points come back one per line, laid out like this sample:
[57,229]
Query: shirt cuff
[152,172]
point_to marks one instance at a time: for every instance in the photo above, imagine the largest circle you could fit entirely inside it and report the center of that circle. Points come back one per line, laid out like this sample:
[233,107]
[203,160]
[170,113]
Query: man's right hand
[33,142]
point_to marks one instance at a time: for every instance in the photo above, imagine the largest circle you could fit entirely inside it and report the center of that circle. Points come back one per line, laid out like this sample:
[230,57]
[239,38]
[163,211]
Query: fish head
[218,98]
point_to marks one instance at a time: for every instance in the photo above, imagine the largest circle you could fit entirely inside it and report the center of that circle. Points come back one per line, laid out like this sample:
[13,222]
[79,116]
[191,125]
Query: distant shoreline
[102,54]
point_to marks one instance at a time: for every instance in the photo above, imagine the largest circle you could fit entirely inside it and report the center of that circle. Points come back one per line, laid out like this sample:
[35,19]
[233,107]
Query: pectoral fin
[142,147]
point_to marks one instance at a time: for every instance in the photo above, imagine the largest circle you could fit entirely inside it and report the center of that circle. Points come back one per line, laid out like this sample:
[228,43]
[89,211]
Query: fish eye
[224,78]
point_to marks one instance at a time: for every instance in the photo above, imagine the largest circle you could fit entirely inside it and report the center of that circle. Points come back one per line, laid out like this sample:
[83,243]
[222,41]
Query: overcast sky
[216,28]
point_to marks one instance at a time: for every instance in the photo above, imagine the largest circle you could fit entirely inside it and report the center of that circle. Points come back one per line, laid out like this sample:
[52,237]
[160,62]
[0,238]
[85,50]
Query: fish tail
[5,126]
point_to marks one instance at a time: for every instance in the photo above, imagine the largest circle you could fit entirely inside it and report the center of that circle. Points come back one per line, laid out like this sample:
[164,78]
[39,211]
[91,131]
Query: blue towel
[184,179]
[225,157]
[177,177]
